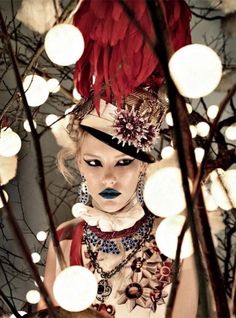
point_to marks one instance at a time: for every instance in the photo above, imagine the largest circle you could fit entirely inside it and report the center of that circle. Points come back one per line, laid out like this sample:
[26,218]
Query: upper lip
[109,193]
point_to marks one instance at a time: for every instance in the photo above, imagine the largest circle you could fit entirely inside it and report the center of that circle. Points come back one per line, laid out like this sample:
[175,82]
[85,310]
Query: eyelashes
[97,163]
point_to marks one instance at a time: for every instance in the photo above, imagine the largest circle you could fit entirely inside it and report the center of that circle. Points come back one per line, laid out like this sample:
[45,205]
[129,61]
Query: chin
[110,206]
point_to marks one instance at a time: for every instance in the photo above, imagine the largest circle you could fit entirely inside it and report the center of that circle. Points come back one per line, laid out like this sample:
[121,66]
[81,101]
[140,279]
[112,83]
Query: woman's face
[111,175]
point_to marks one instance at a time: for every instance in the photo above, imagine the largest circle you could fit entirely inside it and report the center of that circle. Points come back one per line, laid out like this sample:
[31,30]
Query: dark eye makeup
[97,163]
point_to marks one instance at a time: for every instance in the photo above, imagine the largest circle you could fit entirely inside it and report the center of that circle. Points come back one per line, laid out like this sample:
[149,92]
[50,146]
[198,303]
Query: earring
[140,186]
[83,191]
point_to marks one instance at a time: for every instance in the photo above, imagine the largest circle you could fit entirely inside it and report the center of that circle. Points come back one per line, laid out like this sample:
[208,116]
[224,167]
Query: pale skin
[104,167]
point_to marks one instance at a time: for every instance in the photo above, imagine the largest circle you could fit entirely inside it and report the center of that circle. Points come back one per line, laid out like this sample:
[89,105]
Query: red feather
[115,50]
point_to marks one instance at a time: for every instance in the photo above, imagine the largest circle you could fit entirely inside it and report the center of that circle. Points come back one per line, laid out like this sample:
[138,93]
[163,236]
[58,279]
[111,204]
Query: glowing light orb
[167,152]
[163,192]
[6,198]
[75,288]
[199,154]
[230,132]
[51,119]
[189,108]
[36,90]
[167,237]
[224,191]
[76,94]
[35,257]
[42,279]
[20,312]
[209,201]
[10,143]
[27,126]
[77,208]
[203,129]
[64,44]
[169,119]
[193,131]
[53,85]
[41,236]
[33,296]
[212,111]
[196,70]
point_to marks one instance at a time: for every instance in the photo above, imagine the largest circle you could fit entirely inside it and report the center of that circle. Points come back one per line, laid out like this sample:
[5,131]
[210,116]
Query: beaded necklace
[104,289]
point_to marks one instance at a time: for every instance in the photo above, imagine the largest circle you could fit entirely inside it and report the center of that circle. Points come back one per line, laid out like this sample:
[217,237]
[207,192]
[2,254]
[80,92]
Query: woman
[114,237]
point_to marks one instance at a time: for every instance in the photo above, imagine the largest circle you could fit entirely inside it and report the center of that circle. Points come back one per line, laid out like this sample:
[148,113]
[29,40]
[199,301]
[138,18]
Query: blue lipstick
[109,193]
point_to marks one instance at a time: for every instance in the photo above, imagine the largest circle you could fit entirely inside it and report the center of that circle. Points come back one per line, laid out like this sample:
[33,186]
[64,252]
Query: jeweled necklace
[104,289]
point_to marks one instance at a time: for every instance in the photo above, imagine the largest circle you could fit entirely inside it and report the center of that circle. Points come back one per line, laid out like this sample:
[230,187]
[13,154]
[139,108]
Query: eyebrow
[100,157]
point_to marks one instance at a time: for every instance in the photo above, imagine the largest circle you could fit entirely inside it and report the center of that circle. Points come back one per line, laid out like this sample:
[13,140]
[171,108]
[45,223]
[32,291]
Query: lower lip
[109,196]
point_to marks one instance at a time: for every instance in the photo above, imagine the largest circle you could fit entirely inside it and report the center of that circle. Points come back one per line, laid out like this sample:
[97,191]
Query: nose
[109,178]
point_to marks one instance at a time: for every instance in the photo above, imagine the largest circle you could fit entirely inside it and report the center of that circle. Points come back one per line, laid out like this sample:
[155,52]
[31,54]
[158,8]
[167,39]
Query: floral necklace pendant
[104,290]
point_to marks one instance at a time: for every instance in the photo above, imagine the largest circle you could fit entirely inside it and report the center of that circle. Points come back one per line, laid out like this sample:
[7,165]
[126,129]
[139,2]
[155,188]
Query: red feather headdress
[116,54]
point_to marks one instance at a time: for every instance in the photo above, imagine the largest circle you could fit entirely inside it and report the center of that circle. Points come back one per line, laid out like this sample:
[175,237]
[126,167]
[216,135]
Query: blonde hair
[70,154]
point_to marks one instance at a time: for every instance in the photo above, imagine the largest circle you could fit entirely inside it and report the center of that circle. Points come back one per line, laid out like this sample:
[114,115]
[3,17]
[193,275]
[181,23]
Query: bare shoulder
[70,223]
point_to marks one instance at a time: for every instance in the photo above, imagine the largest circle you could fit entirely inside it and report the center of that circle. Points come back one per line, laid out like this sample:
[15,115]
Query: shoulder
[66,230]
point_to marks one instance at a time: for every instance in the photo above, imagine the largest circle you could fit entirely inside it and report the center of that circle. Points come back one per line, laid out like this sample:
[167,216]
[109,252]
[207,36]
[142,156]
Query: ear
[78,161]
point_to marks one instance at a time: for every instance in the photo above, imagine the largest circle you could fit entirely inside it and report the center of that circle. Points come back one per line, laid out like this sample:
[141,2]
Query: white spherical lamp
[76,94]
[33,296]
[77,208]
[193,131]
[75,288]
[41,236]
[169,119]
[163,192]
[203,129]
[167,237]
[51,119]
[53,85]
[196,70]
[10,143]
[167,152]
[27,126]
[209,201]
[6,198]
[223,189]
[230,132]
[35,257]
[64,44]
[212,111]
[36,90]
[199,154]
[20,312]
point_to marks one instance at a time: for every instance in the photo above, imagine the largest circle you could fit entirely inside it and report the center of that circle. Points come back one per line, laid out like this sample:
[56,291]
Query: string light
[53,85]
[41,236]
[77,208]
[169,119]
[157,189]
[33,296]
[20,312]
[10,143]
[36,90]
[223,188]
[189,108]
[27,126]
[167,237]
[75,288]
[64,44]
[76,94]
[203,129]
[6,198]
[212,111]
[167,152]
[35,257]
[42,279]
[230,132]
[193,131]
[196,70]
[51,119]
[199,154]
